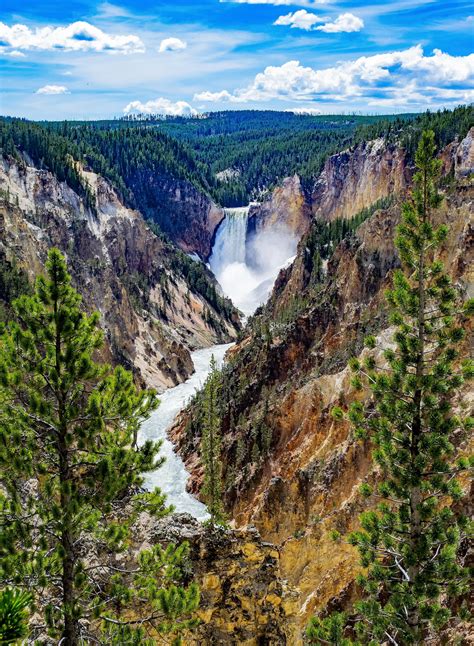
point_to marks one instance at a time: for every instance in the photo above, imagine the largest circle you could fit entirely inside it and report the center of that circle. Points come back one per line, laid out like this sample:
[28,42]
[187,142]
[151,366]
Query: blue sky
[86,59]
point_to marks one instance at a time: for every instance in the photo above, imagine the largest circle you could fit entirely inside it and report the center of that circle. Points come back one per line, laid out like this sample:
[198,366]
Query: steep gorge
[290,469]
[151,312]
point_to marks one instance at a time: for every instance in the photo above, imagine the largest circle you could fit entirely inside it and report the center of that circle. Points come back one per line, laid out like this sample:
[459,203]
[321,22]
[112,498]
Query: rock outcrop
[286,208]
[152,316]
[357,178]
[350,181]
[244,599]
[188,216]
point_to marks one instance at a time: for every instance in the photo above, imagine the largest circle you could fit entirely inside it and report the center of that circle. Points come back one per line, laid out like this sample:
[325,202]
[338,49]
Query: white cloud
[52,89]
[359,78]
[346,23]
[301,19]
[305,111]
[215,97]
[78,36]
[162,106]
[172,45]
[15,54]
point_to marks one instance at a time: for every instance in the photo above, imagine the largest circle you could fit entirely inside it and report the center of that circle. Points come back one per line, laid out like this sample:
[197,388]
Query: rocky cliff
[286,207]
[244,599]
[152,313]
[350,181]
[188,216]
[290,470]
[356,178]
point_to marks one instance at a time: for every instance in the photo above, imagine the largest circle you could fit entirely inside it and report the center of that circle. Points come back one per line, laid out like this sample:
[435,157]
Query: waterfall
[246,265]
[229,245]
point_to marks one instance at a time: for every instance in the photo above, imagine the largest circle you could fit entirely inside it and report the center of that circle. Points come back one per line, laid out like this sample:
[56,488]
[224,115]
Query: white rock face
[464,158]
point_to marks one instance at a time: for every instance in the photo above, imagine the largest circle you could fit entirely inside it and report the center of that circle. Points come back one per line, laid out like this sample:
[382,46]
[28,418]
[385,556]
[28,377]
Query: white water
[172,476]
[247,266]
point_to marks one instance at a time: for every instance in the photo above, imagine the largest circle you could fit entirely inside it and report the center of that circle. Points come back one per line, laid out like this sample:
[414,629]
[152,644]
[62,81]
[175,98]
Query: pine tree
[329,630]
[211,447]
[13,615]
[409,545]
[68,468]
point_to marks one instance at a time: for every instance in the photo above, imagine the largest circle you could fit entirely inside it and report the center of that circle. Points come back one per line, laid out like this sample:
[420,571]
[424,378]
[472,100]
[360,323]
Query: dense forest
[232,156]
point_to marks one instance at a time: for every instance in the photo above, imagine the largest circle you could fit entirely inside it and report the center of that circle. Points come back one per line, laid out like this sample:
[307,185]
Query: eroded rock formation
[152,316]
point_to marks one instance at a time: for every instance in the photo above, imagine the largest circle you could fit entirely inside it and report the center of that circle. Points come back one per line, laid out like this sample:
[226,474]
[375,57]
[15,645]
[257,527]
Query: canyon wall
[350,181]
[152,315]
[188,216]
[290,469]
[286,207]
[357,178]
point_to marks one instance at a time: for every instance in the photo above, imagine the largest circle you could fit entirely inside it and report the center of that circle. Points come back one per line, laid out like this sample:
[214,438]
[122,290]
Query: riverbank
[172,476]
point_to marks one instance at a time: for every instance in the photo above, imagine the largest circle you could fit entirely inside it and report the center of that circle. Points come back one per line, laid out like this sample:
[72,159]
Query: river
[172,476]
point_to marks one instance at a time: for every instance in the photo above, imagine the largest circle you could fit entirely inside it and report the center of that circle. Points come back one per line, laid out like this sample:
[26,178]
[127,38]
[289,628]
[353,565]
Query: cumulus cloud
[76,37]
[367,76]
[172,45]
[162,106]
[216,97]
[52,89]
[301,19]
[346,23]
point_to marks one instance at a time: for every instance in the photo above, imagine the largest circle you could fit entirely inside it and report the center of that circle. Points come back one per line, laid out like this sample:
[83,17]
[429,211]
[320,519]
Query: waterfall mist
[246,265]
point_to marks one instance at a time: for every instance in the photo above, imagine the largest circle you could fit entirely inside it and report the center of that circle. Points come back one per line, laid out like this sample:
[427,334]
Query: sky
[83,59]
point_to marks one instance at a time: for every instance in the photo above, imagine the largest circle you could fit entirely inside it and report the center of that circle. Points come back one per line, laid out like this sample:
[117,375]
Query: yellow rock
[211,582]
[274,599]
[246,603]
[290,607]
[205,615]
[251,552]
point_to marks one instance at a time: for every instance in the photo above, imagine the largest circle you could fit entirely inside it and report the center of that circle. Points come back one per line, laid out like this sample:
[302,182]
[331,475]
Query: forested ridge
[232,156]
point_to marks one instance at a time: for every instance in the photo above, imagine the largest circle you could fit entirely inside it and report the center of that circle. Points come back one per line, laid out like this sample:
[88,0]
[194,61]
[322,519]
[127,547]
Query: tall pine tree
[211,447]
[409,546]
[71,475]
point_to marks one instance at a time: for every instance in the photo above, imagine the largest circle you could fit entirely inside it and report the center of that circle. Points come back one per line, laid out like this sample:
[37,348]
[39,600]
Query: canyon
[291,472]
[290,369]
[152,316]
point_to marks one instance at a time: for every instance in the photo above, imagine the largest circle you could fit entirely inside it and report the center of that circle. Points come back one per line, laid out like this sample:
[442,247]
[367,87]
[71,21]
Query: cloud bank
[161,106]
[418,78]
[79,36]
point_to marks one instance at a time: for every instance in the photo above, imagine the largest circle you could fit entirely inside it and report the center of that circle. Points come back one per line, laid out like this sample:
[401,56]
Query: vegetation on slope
[410,545]
[71,475]
[253,150]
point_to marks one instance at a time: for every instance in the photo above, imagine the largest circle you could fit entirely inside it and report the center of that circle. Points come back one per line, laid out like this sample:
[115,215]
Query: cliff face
[244,599]
[286,207]
[355,179]
[186,215]
[151,315]
[349,182]
[290,470]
